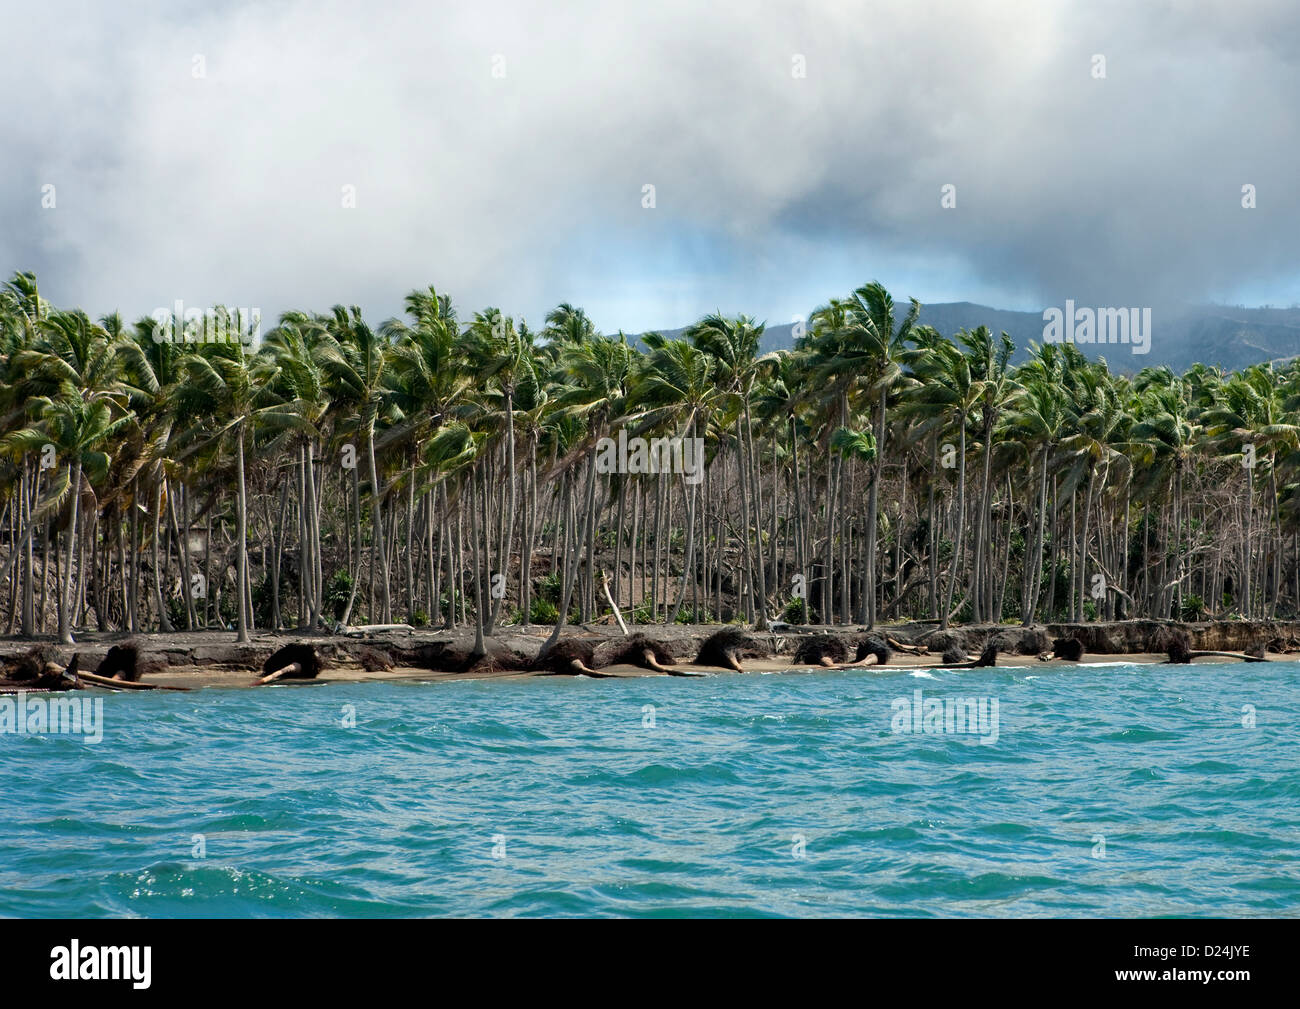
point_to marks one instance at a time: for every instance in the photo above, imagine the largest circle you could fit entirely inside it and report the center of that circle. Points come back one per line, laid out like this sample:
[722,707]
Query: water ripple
[1110,790]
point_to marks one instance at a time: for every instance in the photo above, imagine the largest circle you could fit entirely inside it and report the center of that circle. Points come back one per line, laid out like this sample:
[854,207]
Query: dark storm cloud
[773,192]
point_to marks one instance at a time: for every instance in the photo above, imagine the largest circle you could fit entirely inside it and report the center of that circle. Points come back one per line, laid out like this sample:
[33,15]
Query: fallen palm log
[113,683]
[1239,656]
[870,652]
[821,650]
[367,629]
[639,650]
[987,658]
[37,671]
[604,584]
[1177,646]
[292,662]
[121,663]
[1069,649]
[727,647]
[898,646]
[569,657]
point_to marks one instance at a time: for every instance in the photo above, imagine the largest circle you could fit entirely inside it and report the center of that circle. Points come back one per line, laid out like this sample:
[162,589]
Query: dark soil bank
[516,649]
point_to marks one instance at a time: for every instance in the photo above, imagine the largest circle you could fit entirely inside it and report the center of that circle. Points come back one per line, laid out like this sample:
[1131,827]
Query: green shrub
[337,592]
[1193,608]
[543,611]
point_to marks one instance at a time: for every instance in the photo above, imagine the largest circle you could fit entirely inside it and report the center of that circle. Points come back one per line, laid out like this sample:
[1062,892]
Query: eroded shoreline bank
[215,658]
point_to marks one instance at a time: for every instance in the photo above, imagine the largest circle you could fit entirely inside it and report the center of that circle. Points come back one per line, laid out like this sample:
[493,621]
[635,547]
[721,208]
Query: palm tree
[948,392]
[227,406]
[876,342]
[501,356]
[75,395]
[1250,427]
[733,343]
[1164,441]
[1034,424]
[356,360]
[598,373]
[676,391]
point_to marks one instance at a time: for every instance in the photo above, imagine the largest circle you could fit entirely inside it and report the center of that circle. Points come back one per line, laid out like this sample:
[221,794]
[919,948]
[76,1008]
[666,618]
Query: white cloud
[773,192]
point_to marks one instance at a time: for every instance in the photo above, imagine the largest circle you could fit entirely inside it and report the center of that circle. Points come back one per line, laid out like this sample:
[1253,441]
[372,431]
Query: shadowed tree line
[443,471]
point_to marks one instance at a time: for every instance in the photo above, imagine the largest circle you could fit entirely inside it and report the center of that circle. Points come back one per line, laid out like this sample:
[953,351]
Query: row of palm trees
[436,470]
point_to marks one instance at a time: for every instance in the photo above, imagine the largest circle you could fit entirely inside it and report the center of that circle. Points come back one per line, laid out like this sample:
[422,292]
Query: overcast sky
[499,151]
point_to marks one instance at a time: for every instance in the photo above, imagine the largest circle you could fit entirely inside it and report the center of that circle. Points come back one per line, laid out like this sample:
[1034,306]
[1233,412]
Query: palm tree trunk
[385,593]
[955,570]
[570,576]
[873,510]
[510,513]
[65,602]
[1031,595]
[480,648]
[241,548]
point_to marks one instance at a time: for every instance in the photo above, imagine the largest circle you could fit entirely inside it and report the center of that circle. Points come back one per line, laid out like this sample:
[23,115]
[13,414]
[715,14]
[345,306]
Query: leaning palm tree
[734,344]
[876,342]
[998,392]
[290,369]
[356,359]
[226,407]
[947,392]
[1250,426]
[597,375]
[152,371]
[76,396]
[676,392]
[500,356]
[1034,424]
[1165,436]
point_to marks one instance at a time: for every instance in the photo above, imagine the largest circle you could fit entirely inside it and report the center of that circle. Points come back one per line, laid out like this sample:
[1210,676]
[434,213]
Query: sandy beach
[200,659]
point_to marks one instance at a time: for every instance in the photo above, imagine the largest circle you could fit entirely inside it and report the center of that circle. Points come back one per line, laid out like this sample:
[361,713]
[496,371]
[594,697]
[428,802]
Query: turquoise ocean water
[1114,790]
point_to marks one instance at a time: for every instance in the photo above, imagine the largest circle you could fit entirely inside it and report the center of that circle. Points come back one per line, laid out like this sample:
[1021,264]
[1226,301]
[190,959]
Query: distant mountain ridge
[1231,337]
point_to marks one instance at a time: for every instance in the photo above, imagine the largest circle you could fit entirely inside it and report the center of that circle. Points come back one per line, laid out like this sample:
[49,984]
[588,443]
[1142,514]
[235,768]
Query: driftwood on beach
[39,671]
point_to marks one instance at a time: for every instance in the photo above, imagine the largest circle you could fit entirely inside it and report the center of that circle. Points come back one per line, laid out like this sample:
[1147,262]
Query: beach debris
[292,662]
[871,651]
[821,650]
[1070,649]
[727,647]
[569,657]
[988,657]
[121,663]
[1177,645]
[906,649]
[639,650]
[368,629]
[121,669]
[604,584]
[954,654]
[38,671]
[1239,656]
